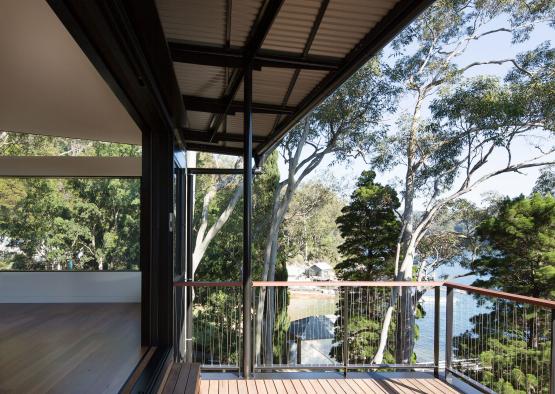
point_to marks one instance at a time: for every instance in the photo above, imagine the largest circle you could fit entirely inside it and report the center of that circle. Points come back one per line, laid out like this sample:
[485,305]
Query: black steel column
[189,270]
[247,214]
[437,295]
[448,331]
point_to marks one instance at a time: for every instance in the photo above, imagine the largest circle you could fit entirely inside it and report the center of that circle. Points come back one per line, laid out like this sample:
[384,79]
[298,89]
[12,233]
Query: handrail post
[448,331]
[552,369]
[345,319]
[437,295]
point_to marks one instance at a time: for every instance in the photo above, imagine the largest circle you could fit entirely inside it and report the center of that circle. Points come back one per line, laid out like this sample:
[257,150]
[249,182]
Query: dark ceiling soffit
[396,20]
[203,104]
[124,40]
[257,35]
[214,149]
[204,136]
[235,58]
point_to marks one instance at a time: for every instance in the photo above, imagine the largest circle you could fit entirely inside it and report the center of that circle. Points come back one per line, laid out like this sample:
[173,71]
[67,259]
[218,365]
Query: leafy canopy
[370,228]
[521,241]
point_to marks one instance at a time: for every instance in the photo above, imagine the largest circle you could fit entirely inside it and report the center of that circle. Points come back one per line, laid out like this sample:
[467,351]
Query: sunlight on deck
[326,386]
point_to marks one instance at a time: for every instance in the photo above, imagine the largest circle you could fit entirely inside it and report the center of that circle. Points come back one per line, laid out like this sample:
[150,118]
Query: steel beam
[204,104]
[217,171]
[379,36]
[204,136]
[235,58]
[306,50]
[256,37]
[222,150]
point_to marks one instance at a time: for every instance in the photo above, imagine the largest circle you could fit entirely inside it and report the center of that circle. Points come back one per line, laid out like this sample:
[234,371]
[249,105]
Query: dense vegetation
[511,340]
[81,224]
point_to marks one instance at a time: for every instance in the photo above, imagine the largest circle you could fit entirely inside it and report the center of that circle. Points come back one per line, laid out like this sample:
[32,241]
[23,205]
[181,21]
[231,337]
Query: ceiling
[301,50]
[48,85]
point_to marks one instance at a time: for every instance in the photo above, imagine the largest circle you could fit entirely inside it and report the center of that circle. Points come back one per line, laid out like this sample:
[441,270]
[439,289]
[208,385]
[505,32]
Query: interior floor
[68,348]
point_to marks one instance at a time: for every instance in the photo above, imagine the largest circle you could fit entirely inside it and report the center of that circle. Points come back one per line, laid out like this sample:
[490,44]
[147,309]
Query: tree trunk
[265,312]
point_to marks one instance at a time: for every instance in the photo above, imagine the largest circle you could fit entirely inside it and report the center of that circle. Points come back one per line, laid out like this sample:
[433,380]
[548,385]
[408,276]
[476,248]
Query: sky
[496,46]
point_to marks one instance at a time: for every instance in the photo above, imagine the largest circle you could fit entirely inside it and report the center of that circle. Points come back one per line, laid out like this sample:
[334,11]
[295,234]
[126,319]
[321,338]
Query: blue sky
[497,46]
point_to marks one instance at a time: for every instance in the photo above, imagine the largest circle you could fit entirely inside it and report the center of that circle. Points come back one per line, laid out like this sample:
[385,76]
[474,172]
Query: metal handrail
[449,312]
[206,284]
[347,284]
[471,289]
[504,295]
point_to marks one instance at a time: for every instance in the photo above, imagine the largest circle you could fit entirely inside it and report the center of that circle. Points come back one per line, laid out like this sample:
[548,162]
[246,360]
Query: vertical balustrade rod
[345,319]
[298,339]
[448,331]
[189,271]
[552,369]
[437,295]
[247,214]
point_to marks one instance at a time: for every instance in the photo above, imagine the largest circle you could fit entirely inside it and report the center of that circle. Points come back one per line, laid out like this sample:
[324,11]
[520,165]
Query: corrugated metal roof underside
[194,20]
[203,81]
[207,22]
[345,23]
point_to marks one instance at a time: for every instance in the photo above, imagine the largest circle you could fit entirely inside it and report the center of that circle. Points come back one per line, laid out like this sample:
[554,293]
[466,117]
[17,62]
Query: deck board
[327,386]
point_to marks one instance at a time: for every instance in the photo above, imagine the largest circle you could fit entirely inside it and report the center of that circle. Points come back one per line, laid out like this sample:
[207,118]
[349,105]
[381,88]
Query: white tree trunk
[205,235]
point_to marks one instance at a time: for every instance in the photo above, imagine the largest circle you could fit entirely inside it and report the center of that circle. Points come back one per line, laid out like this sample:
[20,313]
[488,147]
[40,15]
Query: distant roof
[301,51]
[322,265]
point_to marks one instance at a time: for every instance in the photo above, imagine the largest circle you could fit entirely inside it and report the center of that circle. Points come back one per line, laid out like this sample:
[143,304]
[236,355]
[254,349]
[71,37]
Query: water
[316,304]
[424,347]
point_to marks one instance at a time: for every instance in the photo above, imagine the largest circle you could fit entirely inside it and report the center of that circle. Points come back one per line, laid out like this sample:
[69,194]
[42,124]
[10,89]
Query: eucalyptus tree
[309,230]
[342,127]
[218,195]
[545,184]
[454,126]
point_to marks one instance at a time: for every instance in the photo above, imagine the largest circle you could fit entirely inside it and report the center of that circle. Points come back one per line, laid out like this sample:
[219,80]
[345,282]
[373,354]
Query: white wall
[52,287]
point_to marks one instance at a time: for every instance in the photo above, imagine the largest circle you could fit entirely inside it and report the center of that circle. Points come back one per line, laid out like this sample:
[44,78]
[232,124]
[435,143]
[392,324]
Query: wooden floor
[68,348]
[326,386]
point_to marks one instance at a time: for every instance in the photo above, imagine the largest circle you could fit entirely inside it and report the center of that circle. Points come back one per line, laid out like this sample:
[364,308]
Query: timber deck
[327,386]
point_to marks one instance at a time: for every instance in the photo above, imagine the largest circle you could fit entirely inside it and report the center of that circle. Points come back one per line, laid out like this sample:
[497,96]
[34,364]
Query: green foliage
[370,229]
[545,184]
[520,222]
[309,229]
[225,252]
[348,122]
[48,222]
[511,345]
[510,340]
[216,332]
